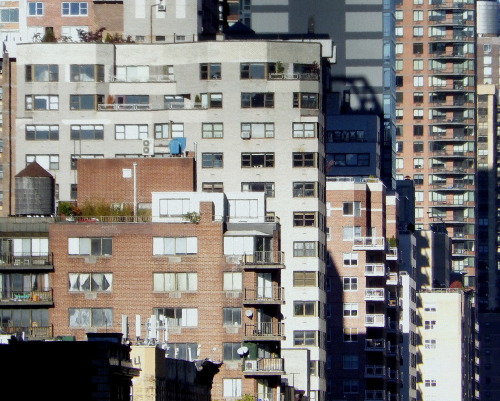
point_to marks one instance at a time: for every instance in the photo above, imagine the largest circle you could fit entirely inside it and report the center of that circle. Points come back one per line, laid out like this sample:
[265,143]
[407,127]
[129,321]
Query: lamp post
[163,8]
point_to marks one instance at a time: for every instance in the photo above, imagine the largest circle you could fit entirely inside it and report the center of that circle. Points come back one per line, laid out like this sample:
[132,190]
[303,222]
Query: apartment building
[435,51]
[363,291]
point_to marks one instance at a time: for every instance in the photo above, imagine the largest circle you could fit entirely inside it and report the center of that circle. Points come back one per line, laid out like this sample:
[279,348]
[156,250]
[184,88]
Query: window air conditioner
[245,135]
[147,147]
[250,365]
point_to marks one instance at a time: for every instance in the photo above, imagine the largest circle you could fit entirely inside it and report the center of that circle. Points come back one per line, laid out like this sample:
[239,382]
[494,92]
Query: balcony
[459,55]
[374,294]
[452,38]
[393,279]
[294,76]
[392,349]
[123,107]
[268,331]
[392,326]
[151,78]
[392,375]
[375,320]
[451,21]
[32,332]
[453,5]
[452,170]
[264,296]
[26,298]
[372,344]
[449,153]
[29,262]
[392,302]
[392,253]
[264,260]
[368,243]
[375,270]
[264,367]
[375,371]
[375,395]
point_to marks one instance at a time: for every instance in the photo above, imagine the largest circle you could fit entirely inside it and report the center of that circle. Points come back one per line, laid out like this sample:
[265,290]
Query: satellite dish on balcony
[242,351]
[248,313]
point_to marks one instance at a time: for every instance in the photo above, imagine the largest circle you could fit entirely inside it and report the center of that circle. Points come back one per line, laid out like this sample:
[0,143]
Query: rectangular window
[131,131]
[175,246]
[305,189]
[304,279]
[74,9]
[304,130]
[174,207]
[429,324]
[231,316]
[178,317]
[231,388]
[48,162]
[9,15]
[177,102]
[85,102]
[351,232]
[418,179]
[304,308]
[183,351]
[304,219]
[230,352]
[42,102]
[257,160]
[304,249]
[212,160]
[349,159]
[42,72]
[257,130]
[350,361]
[430,383]
[351,209]
[350,283]
[305,337]
[266,187]
[350,309]
[350,335]
[305,159]
[257,100]
[42,132]
[86,72]
[90,246]
[350,386]
[232,281]
[90,317]
[418,130]
[211,100]
[90,282]
[212,187]
[168,282]
[87,132]
[418,162]
[350,259]
[210,71]
[418,147]
[255,70]
[430,344]
[212,130]
[305,100]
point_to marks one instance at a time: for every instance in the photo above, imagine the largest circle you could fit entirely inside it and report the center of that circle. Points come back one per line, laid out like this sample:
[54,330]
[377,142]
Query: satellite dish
[248,313]
[242,351]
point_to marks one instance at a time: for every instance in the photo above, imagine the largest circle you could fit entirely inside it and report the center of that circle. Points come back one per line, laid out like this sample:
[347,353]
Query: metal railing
[264,258]
[123,107]
[26,260]
[265,329]
[372,344]
[294,76]
[368,243]
[376,269]
[264,294]
[42,296]
[264,365]
[151,78]
[374,371]
[374,294]
[31,331]
[374,320]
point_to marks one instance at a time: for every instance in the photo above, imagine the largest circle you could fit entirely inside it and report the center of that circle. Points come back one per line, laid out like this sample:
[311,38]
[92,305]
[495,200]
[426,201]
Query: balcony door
[264,285]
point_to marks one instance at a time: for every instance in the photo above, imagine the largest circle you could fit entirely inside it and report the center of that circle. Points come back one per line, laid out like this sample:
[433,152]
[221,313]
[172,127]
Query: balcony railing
[295,76]
[264,366]
[29,261]
[151,78]
[392,375]
[267,330]
[264,295]
[374,320]
[368,243]
[392,349]
[392,279]
[376,269]
[392,325]
[375,371]
[123,107]
[375,395]
[31,331]
[392,253]
[374,294]
[264,258]
[372,344]
[30,297]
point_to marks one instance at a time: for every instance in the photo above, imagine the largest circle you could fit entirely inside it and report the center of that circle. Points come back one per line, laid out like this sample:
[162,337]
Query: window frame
[212,160]
[207,74]
[257,100]
[78,70]
[31,73]
[92,318]
[91,276]
[305,249]
[305,100]
[52,132]
[52,102]
[67,11]
[248,160]
[177,279]
[305,279]
[305,219]
[210,131]
[305,189]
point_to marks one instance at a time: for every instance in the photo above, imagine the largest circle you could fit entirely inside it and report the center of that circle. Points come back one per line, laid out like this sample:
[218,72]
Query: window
[42,102]
[212,130]
[429,324]
[42,132]
[418,65]
[350,259]
[305,100]
[351,209]
[90,317]
[210,71]
[86,72]
[131,131]
[304,308]
[175,282]
[184,351]
[231,387]
[419,196]
[487,49]
[90,246]
[418,15]
[257,160]
[175,246]
[85,102]
[75,158]
[211,160]
[230,352]
[174,207]
[304,219]
[399,146]
[42,73]
[430,308]
[418,97]
[418,179]
[418,162]
[90,282]
[304,130]
[305,189]
[351,232]
[177,102]
[212,187]
[257,130]
[166,130]
[418,48]
[398,31]
[74,8]
[305,159]
[350,361]
[418,147]
[255,70]
[350,309]
[73,191]
[304,249]
[48,162]
[256,100]
[430,344]
[87,132]
[399,65]
[418,130]
[350,283]
[231,316]
[304,279]
[418,81]
[267,187]
[430,383]
[350,159]
[350,335]
[178,317]
[9,15]
[232,281]
[418,114]
[399,163]
[399,81]
[418,31]
[398,48]
[350,386]
[305,337]
[399,113]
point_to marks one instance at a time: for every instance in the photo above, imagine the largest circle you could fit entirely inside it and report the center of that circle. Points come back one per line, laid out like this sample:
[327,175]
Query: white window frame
[232,281]
[175,282]
[83,9]
[131,131]
[170,246]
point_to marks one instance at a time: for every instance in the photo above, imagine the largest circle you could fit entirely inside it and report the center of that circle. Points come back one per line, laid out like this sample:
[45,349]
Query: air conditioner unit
[148,147]
[246,135]
[250,365]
